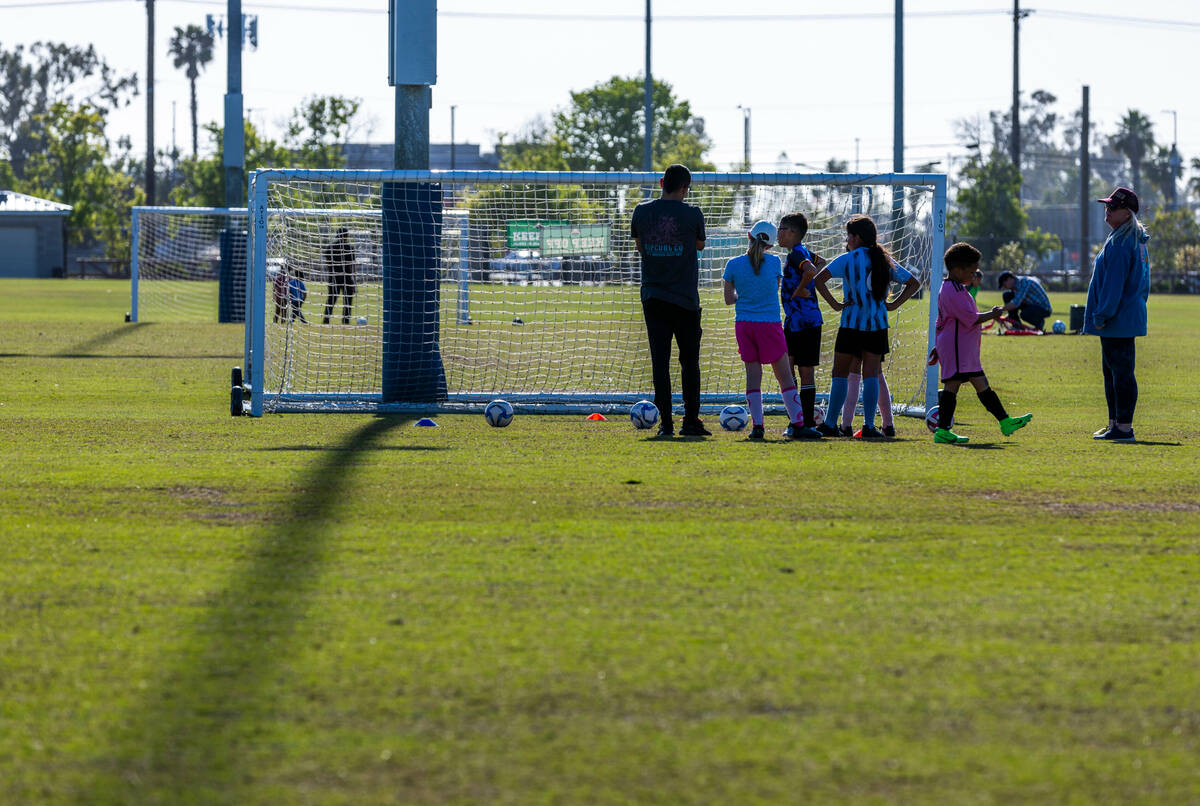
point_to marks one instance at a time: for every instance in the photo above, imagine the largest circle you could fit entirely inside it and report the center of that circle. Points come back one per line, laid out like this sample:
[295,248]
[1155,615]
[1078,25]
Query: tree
[534,148]
[1134,139]
[603,130]
[1172,231]
[192,48]
[68,164]
[202,180]
[319,130]
[988,205]
[30,82]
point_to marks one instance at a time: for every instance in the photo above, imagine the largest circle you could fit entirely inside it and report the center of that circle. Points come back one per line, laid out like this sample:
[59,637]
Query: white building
[33,236]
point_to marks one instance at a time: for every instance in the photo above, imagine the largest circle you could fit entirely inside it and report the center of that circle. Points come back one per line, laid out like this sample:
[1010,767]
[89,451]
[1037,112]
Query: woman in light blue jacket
[1116,308]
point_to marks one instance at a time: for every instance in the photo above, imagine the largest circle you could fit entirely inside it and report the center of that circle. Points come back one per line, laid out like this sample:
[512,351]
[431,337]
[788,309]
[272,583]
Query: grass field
[315,609]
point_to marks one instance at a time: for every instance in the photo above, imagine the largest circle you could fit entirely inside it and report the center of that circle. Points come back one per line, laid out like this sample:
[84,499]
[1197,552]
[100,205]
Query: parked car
[524,264]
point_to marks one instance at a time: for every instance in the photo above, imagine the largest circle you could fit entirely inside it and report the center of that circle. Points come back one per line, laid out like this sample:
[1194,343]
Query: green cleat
[1010,425]
[944,436]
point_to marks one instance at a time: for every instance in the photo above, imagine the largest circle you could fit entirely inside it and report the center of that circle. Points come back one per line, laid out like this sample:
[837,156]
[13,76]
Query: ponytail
[881,261]
[756,252]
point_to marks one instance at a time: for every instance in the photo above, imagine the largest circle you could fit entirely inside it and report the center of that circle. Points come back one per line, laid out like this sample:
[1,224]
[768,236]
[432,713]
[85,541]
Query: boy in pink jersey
[957,346]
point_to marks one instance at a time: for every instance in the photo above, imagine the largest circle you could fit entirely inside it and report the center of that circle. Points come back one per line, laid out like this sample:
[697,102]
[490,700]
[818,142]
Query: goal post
[443,290]
[188,264]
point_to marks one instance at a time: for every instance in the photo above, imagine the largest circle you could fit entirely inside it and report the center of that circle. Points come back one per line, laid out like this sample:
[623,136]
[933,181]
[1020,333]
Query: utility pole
[648,104]
[1174,160]
[745,137]
[234,139]
[150,102]
[452,108]
[1085,181]
[1018,15]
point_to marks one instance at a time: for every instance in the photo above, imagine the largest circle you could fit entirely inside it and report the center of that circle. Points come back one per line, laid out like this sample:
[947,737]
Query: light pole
[1174,159]
[452,108]
[745,137]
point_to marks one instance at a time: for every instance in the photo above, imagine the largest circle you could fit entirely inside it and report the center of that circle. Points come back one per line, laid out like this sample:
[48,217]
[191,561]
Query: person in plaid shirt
[1025,299]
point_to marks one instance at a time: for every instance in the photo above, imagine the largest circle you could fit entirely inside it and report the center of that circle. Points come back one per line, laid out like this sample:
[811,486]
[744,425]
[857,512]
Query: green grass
[314,609]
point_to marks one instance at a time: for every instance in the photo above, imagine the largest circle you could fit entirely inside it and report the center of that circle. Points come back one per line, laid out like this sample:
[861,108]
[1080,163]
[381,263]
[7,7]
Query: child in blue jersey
[866,271]
[801,317]
[752,285]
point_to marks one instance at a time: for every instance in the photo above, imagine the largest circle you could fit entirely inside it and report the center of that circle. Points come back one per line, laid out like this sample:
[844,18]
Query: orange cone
[597,416]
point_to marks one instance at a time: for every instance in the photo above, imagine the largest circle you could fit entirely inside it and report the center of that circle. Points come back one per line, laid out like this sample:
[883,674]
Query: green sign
[527,233]
[565,239]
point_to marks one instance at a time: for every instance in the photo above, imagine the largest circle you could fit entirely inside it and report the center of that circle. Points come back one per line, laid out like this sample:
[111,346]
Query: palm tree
[1135,140]
[192,47]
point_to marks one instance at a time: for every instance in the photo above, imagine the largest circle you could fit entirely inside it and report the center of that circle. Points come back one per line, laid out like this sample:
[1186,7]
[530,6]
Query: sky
[816,77]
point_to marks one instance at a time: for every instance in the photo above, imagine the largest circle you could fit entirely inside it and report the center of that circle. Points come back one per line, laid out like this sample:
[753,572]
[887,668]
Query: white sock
[754,403]
[791,399]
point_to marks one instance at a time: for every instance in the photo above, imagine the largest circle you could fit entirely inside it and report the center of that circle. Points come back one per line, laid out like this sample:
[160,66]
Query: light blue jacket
[1116,300]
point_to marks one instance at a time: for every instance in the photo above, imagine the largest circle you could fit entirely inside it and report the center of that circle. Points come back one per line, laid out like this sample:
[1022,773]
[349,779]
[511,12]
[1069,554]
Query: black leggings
[665,321]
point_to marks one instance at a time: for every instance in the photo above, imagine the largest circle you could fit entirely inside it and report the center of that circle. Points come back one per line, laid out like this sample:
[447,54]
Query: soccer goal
[188,264]
[443,290]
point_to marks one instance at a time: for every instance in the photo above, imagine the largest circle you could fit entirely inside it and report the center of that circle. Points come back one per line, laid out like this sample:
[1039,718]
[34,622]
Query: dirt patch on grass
[1074,508]
[208,495]
[217,505]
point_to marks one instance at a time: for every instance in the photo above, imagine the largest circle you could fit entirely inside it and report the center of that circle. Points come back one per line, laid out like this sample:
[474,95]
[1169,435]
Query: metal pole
[411,151]
[898,117]
[1174,159]
[452,108]
[898,102]
[150,102]
[1085,182]
[648,111]
[746,137]
[233,143]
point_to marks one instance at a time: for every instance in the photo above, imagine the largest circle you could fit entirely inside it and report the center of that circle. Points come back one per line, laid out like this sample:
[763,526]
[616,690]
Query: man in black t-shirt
[668,233]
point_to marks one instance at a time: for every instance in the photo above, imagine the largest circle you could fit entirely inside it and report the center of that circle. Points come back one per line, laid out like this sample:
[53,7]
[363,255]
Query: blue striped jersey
[862,311]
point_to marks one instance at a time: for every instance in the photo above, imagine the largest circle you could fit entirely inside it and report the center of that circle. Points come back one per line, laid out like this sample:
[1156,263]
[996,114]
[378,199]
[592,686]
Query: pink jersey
[958,332]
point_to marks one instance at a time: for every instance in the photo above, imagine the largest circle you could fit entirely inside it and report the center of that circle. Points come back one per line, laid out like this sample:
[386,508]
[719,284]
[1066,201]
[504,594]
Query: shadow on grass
[85,349]
[203,731]
[1148,442]
[328,448]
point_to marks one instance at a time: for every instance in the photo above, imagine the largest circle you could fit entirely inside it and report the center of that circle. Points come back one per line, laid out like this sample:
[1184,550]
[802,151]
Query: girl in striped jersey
[866,271]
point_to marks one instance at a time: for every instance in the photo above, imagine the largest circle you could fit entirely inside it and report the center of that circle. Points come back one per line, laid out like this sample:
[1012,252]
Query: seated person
[1025,300]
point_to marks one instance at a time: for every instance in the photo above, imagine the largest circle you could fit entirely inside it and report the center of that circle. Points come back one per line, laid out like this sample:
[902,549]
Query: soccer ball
[734,418]
[643,414]
[931,419]
[362,320]
[818,416]
[1060,327]
[498,413]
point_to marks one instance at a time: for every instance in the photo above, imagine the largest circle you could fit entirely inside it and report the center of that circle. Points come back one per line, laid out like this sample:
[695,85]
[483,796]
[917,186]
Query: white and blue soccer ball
[498,413]
[643,414]
[1060,327]
[734,418]
[931,419]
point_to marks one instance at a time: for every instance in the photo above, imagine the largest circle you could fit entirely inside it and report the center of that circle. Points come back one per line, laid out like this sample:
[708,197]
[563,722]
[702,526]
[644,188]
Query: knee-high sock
[853,384]
[837,396]
[885,402]
[754,403]
[870,399]
[791,401]
[991,402]
[808,402]
[947,401]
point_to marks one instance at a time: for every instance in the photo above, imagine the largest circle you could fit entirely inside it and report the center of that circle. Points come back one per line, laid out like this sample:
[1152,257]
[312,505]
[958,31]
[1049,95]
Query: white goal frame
[259,299]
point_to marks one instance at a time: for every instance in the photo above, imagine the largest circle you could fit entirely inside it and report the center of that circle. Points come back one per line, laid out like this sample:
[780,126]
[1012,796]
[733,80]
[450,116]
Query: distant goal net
[188,264]
[439,290]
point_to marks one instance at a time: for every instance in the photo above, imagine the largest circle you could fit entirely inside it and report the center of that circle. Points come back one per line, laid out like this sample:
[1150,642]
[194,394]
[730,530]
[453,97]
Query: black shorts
[964,376]
[856,342]
[804,346]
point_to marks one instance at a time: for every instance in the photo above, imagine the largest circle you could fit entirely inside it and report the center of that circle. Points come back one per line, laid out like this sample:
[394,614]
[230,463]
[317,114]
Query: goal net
[188,264]
[438,290]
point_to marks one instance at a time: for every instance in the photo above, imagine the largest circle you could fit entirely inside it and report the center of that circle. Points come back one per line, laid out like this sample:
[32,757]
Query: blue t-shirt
[862,311]
[801,312]
[757,299]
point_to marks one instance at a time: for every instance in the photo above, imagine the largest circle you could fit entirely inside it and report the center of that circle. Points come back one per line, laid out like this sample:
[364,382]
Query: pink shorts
[760,342]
